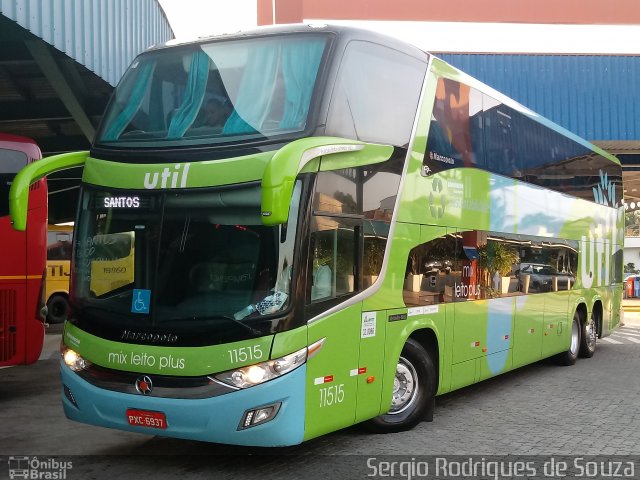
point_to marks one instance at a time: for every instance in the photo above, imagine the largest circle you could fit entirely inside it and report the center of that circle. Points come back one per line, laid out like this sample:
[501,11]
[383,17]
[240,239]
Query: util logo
[598,248]
[168,178]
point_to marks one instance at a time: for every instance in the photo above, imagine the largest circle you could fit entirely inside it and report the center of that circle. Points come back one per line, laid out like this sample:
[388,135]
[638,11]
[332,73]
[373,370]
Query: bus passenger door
[331,387]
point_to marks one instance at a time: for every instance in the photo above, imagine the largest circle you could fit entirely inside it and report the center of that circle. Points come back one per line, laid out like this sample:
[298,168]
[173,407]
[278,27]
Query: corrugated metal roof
[596,97]
[103,35]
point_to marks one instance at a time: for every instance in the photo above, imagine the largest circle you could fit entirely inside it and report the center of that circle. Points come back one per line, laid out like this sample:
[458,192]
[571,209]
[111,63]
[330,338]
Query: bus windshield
[215,92]
[197,261]
[11,161]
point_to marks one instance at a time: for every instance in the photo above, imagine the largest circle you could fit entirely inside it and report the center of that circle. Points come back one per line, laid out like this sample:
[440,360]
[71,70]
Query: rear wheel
[570,356]
[58,308]
[414,389]
[589,336]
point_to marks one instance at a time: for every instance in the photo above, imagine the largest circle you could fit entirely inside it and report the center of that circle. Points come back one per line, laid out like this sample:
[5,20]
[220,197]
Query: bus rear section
[22,259]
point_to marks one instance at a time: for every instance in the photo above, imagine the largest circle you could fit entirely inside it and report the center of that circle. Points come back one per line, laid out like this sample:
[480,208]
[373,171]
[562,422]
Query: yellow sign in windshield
[112,264]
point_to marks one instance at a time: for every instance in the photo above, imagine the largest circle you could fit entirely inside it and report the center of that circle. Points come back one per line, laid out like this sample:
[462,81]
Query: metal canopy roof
[60,59]
[595,96]
[59,62]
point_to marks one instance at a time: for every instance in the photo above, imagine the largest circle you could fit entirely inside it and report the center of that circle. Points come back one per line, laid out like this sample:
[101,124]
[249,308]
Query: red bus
[22,259]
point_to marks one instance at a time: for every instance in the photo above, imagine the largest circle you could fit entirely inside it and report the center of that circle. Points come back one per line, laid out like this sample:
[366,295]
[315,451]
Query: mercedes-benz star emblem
[144,385]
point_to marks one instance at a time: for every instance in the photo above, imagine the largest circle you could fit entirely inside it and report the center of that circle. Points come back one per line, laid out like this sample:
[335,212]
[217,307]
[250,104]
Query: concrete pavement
[631,307]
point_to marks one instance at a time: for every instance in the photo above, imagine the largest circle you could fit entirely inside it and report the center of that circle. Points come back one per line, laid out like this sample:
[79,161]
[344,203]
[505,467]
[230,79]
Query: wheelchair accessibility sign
[141,301]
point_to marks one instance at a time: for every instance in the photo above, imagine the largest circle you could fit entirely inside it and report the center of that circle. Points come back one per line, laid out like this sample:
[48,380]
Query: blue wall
[596,97]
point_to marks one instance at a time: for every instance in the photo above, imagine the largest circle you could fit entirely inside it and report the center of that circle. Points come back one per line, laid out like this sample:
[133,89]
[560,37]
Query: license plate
[145,418]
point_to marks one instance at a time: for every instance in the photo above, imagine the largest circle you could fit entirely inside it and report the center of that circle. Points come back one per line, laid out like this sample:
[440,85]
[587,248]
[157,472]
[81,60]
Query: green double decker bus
[288,231]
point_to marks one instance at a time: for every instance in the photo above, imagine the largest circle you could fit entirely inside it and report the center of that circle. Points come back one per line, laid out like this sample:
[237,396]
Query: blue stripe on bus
[213,419]
[499,327]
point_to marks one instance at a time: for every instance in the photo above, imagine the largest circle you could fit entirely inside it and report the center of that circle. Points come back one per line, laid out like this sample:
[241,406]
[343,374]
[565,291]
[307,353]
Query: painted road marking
[632,339]
[610,340]
[628,331]
[627,334]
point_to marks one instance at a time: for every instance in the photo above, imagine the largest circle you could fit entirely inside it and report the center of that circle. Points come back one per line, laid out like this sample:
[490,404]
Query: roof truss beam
[41,53]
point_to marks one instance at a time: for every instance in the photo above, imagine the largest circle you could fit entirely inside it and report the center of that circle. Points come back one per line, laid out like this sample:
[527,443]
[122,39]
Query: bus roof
[346,33]
[23,144]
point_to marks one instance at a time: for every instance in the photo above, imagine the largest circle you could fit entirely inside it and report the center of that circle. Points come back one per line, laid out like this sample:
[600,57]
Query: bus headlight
[258,373]
[73,360]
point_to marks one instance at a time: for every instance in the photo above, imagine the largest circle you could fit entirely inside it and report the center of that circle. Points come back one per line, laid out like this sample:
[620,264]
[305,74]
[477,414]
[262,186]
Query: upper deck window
[376,95]
[217,92]
[472,129]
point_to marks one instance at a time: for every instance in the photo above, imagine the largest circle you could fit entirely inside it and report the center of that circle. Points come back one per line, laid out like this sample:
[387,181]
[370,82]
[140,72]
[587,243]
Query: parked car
[542,278]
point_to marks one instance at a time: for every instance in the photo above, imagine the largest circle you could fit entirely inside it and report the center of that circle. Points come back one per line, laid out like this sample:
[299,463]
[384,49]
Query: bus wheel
[414,389]
[570,356]
[588,337]
[58,307]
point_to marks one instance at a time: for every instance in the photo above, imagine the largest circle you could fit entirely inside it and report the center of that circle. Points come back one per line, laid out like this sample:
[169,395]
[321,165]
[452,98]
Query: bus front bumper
[215,419]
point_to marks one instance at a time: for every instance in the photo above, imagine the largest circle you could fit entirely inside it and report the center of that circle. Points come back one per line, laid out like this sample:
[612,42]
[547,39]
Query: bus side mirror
[19,193]
[283,168]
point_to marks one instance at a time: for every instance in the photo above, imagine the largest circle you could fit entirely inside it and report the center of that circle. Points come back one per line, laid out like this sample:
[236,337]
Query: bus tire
[58,308]
[589,336]
[570,356]
[414,391]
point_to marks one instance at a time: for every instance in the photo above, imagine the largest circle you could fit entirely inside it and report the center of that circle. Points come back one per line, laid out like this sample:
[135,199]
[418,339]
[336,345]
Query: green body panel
[197,174]
[19,192]
[331,390]
[557,327]
[282,170]
[461,198]
[612,311]
[183,361]
[288,342]
[528,329]
[446,349]
[470,330]
[465,373]
[369,375]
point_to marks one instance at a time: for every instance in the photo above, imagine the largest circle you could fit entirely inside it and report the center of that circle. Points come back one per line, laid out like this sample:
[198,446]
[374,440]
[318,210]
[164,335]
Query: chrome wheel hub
[405,387]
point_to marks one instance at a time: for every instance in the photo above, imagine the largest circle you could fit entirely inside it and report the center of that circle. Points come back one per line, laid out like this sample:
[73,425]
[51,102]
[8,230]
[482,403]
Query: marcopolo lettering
[149,337]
